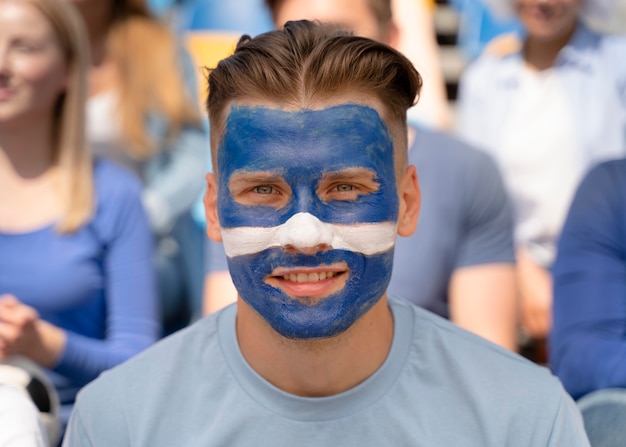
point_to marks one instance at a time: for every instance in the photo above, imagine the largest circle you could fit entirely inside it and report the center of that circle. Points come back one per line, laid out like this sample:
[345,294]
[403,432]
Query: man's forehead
[342,134]
[349,97]
[305,121]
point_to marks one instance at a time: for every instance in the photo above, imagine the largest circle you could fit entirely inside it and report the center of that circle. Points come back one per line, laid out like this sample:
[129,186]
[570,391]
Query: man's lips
[317,283]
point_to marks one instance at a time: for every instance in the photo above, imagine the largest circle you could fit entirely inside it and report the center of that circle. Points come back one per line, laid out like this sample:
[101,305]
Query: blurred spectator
[77,282]
[480,22]
[416,39]
[414,35]
[411,31]
[143,113]
[241,16]
[587,341]
[458,263]
[547,108]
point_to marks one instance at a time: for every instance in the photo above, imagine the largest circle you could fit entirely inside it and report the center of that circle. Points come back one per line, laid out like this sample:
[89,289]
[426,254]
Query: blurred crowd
[104,146]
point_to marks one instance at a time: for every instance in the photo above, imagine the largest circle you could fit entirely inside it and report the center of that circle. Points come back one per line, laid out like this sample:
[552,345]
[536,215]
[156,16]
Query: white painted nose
[305,231]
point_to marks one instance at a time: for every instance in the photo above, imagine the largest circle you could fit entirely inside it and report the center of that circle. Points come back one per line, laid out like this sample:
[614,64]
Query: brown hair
[306,62]
[380,8]
[71,155]
[145,53]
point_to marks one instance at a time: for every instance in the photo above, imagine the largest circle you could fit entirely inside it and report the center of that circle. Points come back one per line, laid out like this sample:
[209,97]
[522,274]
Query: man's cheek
[233,214]
[366,209]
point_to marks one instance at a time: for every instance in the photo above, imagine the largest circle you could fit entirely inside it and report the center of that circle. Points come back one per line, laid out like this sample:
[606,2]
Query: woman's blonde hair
[144,51]
[71,155]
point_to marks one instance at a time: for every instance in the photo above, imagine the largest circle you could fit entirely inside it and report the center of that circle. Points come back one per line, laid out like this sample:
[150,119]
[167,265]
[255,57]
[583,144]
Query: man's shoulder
[610,44]
[169,360]
[475,383]
[441,341]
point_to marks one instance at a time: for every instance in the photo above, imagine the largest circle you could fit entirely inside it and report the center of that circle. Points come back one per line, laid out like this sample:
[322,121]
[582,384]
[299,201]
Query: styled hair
[145,54]
[71,155]
[380,8]
[307,62]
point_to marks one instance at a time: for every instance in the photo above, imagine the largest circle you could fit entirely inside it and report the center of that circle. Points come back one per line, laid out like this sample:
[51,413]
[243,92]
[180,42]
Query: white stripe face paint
[303,231]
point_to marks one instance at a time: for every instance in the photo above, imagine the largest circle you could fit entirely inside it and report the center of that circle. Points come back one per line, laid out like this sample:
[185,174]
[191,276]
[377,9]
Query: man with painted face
[460,264]
[311,188]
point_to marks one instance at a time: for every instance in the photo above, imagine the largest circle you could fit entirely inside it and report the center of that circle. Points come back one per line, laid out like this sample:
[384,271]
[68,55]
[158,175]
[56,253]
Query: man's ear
[410,202]
[213,229]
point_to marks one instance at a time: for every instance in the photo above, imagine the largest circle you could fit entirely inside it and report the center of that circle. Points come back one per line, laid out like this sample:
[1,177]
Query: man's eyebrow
[256,177]
[350,174]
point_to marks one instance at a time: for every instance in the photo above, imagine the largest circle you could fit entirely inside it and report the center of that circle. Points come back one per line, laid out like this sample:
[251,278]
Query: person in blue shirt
[587,342]
[311,189]
[77,280]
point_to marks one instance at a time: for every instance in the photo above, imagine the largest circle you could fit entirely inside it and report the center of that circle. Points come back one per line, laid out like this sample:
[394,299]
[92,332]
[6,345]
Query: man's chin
[307,319]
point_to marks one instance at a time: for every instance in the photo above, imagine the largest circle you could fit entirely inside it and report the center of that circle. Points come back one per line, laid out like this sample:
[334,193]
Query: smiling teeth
[308,277]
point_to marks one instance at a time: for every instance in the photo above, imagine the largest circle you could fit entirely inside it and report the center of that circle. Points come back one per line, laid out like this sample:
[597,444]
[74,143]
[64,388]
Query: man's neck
[316,368]
[541,54]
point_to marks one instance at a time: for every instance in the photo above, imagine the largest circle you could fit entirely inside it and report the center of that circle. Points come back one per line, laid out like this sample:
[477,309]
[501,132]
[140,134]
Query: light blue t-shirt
[439,386]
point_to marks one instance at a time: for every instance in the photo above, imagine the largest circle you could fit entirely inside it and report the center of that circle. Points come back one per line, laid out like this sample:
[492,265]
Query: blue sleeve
[487,230]
[588,340]
[132,313]
[180,179]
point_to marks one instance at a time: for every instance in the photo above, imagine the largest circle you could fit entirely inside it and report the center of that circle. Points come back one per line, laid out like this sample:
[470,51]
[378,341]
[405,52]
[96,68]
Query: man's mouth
[310,283]
[309,277]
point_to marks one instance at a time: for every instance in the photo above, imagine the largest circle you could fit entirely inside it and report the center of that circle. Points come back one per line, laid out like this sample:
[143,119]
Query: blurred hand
[23,332]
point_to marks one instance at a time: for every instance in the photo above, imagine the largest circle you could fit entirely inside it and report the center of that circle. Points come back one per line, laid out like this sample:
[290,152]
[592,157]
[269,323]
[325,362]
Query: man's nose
[305,233]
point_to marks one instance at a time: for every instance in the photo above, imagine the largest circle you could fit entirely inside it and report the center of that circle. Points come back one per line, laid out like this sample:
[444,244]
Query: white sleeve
[20,421]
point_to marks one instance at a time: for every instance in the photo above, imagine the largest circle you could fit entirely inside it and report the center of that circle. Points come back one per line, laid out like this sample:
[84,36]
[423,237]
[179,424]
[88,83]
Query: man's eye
[264,189]
[344,188]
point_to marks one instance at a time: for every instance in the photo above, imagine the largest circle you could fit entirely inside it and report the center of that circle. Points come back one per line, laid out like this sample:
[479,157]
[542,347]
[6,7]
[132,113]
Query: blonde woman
[77,286]
[143,113]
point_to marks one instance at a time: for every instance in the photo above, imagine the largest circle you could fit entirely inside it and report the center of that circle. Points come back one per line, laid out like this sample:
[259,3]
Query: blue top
[465,220]
[438,386]
[588,341]
[97,284]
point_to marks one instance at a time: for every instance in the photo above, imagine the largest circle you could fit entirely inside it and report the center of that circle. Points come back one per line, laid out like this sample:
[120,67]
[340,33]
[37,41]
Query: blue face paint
[301,147]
